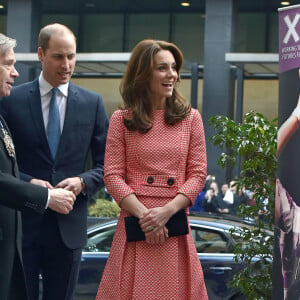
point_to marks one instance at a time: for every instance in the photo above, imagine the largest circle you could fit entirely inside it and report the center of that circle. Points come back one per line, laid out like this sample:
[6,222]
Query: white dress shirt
[46,93]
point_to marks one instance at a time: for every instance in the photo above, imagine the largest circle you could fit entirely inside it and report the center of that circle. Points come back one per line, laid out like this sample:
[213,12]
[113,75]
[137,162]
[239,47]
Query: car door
[215,251]
[93,260]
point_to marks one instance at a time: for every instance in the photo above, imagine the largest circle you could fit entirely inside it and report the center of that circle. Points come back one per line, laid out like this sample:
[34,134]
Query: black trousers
[17,290]
[58,265]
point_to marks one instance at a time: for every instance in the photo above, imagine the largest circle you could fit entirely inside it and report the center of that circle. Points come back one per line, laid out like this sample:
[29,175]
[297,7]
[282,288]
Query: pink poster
[286,264]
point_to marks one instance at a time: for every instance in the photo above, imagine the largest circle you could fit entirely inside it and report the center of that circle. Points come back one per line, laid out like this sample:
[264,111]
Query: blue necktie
[53,124]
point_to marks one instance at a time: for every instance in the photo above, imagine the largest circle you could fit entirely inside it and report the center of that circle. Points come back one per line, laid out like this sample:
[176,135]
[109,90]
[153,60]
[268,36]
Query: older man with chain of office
[55,125]
[17,195]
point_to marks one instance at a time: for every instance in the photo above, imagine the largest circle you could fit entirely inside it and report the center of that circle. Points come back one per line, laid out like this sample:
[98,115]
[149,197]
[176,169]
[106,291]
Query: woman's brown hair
[135,84]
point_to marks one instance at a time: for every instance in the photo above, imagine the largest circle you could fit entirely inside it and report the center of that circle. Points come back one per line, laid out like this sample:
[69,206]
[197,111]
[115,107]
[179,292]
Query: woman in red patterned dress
[155,165]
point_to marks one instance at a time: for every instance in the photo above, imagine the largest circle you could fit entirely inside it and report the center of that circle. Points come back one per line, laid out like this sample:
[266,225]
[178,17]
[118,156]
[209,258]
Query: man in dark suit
[52,243]
[16,194]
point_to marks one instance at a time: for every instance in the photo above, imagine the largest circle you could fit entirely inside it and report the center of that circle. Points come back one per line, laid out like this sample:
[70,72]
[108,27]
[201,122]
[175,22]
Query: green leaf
[255,142]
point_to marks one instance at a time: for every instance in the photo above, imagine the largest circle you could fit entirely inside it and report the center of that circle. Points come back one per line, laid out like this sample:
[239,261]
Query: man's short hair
[47,31]
[6,43]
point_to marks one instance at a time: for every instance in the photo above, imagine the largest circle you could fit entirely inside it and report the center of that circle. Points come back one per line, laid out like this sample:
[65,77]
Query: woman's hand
[156,218]
[157,236]
[153,224]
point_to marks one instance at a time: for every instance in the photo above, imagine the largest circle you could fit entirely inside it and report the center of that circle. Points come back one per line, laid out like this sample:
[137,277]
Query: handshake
[63,195]
[61,200]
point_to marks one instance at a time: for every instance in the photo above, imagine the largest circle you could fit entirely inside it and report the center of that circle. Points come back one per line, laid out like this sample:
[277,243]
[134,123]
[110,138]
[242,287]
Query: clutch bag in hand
[177,225]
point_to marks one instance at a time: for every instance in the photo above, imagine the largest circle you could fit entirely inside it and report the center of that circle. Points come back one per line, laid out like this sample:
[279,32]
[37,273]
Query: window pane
[143,26]
[3,20]
[273,32]
[102,33]
[251,30]
[209,241]
[69,20]
[188,35]
[100,241]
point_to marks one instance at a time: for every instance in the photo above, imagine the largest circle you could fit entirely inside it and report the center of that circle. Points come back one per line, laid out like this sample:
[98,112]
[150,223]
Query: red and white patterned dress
[138,270]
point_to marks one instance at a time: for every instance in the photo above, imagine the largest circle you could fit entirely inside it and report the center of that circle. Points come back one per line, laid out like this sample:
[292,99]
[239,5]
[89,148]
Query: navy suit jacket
[84,133]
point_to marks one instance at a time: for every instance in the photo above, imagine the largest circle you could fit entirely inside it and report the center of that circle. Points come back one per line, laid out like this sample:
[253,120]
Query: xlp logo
[292,28]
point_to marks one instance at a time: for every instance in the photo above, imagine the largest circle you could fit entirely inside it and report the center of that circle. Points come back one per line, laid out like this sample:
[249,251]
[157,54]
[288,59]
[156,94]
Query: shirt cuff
[83,185]
[48,199]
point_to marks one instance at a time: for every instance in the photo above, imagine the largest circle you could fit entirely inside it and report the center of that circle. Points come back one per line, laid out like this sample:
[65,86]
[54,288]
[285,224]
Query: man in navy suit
[52,243]
[16,195]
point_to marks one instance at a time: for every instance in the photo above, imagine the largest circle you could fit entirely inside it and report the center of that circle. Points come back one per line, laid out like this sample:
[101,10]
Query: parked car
[213,242]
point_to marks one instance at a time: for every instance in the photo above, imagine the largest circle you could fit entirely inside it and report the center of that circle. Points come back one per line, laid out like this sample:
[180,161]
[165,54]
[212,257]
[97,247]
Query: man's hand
[41,182]
[61,200]
[71,184]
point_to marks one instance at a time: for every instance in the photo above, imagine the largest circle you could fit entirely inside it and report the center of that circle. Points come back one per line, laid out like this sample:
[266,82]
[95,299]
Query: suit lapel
[6,137]
[13,158]
[37,115]
[70,118]
[34,99]
[1,132]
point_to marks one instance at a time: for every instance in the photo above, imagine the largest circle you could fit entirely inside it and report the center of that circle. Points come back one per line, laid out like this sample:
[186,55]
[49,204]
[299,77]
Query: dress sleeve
[196,161]
[115,159]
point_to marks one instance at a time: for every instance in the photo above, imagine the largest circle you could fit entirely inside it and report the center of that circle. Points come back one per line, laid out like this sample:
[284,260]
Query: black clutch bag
[177,225]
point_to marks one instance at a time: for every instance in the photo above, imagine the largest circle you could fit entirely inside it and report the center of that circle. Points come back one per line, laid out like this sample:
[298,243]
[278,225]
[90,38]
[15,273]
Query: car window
[206,240]
[210,241]
[239,240]
[100,241]
[243,239]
